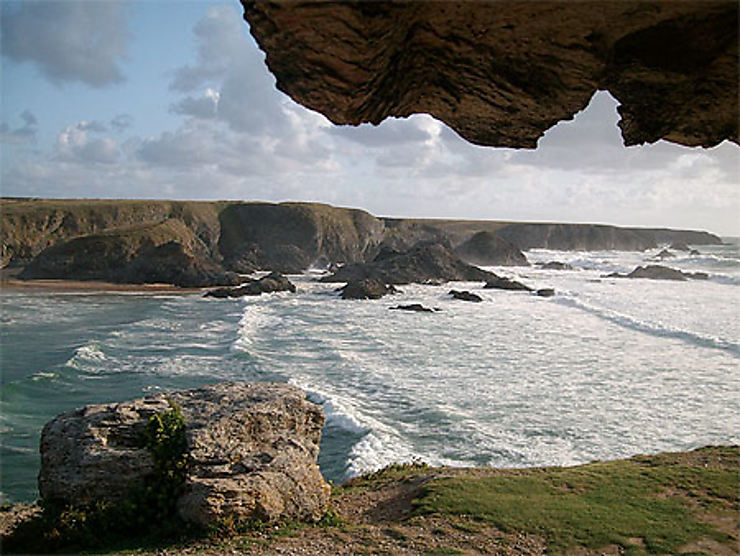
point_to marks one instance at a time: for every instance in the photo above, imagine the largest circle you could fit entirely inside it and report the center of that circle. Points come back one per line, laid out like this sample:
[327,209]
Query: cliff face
[502,73]
[201,243]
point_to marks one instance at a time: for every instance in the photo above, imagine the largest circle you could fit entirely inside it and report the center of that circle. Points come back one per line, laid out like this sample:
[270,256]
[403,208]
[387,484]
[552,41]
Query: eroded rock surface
[252,449]
[418,265]
[502,73]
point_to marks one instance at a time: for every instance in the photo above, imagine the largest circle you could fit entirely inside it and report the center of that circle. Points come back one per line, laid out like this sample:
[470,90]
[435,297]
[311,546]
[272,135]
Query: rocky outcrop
[251,449]
[366,288]
[545,292]
[465,296]
[168,252]
[488,249]
[664,254]
[290,237]
[658,272]
[555,265]
[420,264]
[501,283]
[414,308]
[501,74]
[273,282]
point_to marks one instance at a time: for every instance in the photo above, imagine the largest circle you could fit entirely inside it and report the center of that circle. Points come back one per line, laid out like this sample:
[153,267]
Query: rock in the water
[501,283]
[488,249]
[658,272]
[420,264]
[555,265]
[465,296]
[368,288]
[273,282]
[545,292]
[415,307]
[664,254]
[694,253]
[252,450]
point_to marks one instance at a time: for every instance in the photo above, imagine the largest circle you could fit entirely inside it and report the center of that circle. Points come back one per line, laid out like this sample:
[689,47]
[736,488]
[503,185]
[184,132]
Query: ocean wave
[652,328]
[86,356]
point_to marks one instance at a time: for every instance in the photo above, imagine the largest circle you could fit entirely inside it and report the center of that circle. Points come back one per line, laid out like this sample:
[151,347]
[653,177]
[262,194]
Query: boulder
[465,296]
[424,262]
[545,292]
[368,288]
[694,253]
[273,282]
[488,249]
[251,447]
[501,283]
[555,265]
[415,307]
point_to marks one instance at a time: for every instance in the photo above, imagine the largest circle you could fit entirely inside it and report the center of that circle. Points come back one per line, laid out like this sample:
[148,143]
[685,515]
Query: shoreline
[15,285]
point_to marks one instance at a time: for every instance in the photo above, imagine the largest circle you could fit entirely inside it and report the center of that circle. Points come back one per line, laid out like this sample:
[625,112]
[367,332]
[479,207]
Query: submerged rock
[428,261]
[368,288]
[465,296]
[545,292]
[488,249]
[252,450]
[416,307]
[501,283]
[273,282]
[555,265]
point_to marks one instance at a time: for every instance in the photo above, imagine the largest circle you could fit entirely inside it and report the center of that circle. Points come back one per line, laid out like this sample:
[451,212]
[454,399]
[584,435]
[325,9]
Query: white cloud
[67,41]
[74,144]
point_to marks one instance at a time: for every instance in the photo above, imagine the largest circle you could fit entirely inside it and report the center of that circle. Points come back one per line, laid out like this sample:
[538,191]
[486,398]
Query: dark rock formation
[545,292]
[366,288]
[465,296]
[414,307]
[501,283]
[252,450]
[423,262]
[658,272]
[501,74]
[273,282]
[555,265]
[694,253]
[664,254]
[488,249]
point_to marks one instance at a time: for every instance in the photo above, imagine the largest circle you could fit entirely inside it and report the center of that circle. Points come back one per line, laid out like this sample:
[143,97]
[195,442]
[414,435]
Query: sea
[605,369]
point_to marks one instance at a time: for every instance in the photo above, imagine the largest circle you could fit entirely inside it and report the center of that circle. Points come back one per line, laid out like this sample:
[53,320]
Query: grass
[594,505]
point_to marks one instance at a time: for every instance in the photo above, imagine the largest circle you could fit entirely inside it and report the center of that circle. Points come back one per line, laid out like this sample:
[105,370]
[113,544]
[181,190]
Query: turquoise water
[605,369]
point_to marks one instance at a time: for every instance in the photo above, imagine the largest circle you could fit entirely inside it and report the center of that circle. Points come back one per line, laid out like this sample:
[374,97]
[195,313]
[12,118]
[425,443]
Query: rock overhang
[502,73]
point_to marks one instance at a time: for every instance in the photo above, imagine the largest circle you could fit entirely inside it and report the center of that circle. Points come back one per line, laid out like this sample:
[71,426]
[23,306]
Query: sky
[171,100]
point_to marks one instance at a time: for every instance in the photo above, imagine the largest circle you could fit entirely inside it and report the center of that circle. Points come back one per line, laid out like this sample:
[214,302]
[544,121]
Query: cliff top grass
[679,503]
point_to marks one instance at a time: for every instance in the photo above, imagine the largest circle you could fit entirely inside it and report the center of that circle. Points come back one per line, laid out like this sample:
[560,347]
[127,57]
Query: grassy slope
[681,503]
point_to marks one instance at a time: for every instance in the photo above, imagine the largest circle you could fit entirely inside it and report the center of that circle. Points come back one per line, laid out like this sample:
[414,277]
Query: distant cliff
[201,243]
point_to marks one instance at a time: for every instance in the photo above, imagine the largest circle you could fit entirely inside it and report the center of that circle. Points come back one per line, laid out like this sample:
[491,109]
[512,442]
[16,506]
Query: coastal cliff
[198,243]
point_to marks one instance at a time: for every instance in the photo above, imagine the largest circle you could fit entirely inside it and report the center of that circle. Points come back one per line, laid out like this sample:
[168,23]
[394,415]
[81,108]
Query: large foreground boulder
[426,261]
[251,452]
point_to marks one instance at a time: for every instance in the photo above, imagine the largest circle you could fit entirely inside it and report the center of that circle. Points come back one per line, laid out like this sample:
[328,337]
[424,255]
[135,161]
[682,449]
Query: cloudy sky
[172,100]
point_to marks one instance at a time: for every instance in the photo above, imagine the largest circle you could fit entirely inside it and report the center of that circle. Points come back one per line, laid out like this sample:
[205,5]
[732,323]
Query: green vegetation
[146,514]
[593,505]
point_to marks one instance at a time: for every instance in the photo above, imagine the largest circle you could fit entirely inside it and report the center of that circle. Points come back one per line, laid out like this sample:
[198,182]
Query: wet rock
[694,253]
[555,265]
[416,307]
[418,265]
[658,272]
[488,249]
[252,450]
[501,283]
[664,254]
[465,296]
[273,282]
[368,288]
[545,292]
